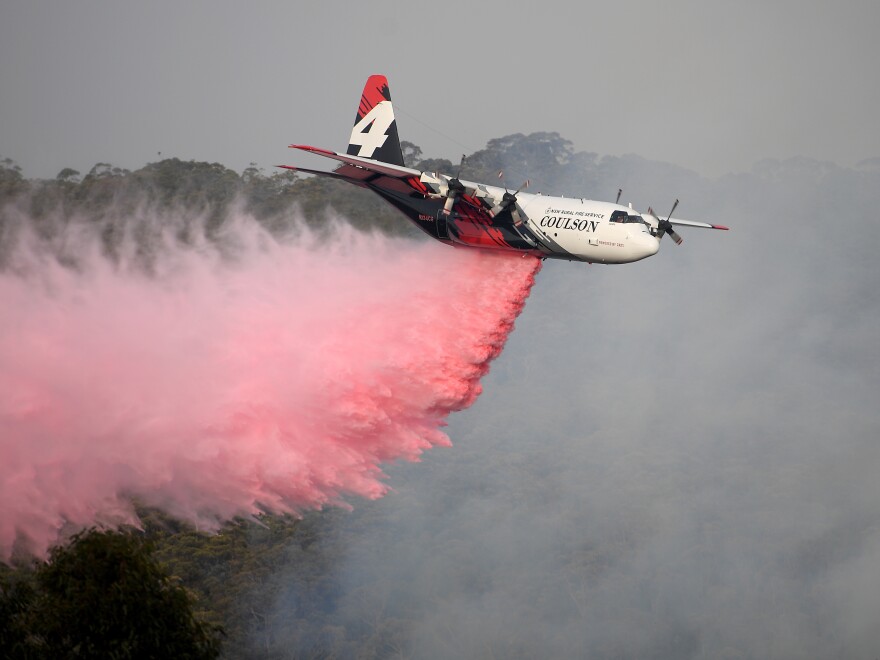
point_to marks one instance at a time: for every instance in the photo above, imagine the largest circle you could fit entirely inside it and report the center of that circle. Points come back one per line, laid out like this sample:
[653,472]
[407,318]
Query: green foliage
[17,600]
[104,596]
[68,174]
[12,183]
[539,156]
[101,595]
[412,153]
[235,576]
[439,165]
[208,188]
[231,571]
[547,159]
[194,197]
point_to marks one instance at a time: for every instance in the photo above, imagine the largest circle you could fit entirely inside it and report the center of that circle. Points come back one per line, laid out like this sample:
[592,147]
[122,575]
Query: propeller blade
[454,188]
[517,219]
[508,199]
[668,226]
[657,231]
[665,226]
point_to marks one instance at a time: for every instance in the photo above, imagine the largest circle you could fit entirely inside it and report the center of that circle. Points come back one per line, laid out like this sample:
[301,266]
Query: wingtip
[305,147]
[722,227]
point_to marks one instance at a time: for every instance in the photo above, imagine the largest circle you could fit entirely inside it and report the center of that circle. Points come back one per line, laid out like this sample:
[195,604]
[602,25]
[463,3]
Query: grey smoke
[672,459]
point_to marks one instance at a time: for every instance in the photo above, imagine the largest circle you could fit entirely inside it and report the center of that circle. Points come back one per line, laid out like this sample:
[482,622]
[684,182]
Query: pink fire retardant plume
[280,381]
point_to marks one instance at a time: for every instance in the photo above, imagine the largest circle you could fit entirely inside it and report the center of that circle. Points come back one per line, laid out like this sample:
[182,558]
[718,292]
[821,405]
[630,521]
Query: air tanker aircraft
[477,215]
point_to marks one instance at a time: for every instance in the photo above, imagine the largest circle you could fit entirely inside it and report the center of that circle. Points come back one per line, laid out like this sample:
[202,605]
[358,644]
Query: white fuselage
[582,229]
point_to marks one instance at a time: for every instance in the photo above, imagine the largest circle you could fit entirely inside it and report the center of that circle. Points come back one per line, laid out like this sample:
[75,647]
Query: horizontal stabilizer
[396,171]
[332,175]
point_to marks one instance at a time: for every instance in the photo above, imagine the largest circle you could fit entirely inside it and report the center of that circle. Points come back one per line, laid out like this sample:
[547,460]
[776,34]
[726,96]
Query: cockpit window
[622,217]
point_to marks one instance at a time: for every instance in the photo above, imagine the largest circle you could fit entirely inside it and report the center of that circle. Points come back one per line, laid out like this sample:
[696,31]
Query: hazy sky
[712,87]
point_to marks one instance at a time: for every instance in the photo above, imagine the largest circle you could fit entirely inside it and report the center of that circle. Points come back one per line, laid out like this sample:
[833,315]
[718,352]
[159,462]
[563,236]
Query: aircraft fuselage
[552,227]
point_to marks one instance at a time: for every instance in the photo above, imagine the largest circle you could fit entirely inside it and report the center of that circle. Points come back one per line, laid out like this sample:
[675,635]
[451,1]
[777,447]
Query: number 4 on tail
[371,132]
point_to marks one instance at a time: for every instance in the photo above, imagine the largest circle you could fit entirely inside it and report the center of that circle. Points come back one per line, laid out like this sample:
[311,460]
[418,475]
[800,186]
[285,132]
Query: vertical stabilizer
[374,134]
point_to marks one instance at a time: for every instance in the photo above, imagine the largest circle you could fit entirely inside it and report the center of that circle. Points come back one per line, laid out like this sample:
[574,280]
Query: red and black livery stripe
[375,91]
[471,224]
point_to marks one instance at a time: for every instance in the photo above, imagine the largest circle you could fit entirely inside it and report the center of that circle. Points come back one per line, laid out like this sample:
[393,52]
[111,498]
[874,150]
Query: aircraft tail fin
[374,135]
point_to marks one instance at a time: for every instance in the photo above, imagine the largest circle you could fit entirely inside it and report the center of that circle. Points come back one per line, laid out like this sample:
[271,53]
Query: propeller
[665,226]
[509,200]
[619,193]
[454,188]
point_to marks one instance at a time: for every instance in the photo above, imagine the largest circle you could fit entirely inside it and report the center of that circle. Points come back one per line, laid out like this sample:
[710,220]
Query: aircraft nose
[648,245]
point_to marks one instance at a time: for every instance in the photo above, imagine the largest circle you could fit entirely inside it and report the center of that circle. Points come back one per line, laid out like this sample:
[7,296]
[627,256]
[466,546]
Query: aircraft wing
[689,223]
[332,175]
[395,171]
[358,170]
